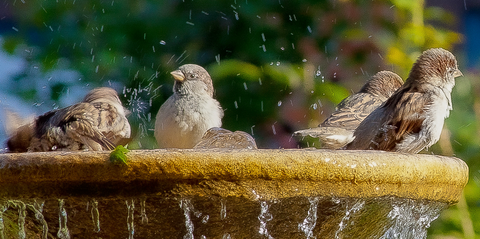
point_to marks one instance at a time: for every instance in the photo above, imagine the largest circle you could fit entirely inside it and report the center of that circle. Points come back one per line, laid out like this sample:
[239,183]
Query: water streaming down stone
[310,221]
[3,208]
[21,218]
[264,218]
[95,216]
[37,208]
[63,232]
[187,206]
[350,211]
[311,217]
[130,219]
[143,213]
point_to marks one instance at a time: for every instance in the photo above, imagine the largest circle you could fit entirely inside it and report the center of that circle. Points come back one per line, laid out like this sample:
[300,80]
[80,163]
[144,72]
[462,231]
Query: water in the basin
[212,217]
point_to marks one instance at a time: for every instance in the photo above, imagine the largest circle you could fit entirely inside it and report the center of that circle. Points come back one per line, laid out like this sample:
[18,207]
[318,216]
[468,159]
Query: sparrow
[187,114]
[97,123]
[221,138]
[337,130]
[412,118]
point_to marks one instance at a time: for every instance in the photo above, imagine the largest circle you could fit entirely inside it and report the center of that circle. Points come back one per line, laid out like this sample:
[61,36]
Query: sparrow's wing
[81,122]
[330,137]
[406,120]
[352,111]
[112,123]
[221,138]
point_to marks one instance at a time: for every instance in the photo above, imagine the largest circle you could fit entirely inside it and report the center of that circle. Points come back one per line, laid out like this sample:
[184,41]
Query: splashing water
[95,216]
[264,217]
[139,101]
[63,232]
[130,219]
[411,219]
[311,220]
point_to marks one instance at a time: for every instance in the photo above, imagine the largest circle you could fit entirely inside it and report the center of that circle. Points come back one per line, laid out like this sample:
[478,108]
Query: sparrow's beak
[457,73]
[178,75]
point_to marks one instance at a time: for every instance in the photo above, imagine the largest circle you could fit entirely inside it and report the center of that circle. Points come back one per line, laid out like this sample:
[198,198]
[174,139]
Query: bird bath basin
[305,193]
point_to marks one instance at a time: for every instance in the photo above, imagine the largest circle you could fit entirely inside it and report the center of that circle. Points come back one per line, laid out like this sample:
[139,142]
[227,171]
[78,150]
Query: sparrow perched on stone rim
[412,118]
[337,130]
[96,123]
[187,114]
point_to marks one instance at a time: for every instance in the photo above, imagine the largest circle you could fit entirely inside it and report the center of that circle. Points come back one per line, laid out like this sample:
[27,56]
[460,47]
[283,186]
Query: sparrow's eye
[192,76]
[451,70]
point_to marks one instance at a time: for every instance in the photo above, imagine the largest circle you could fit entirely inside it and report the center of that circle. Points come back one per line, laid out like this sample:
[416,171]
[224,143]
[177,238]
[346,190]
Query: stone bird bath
[298,193]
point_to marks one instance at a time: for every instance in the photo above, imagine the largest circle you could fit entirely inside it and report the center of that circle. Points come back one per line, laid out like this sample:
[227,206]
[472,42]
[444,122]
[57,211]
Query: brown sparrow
[186,115]
[412,118]
[97,123]
[337,130]
[221,138]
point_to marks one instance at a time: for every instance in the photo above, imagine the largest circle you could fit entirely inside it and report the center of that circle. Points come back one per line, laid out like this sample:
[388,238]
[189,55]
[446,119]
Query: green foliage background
[278,66]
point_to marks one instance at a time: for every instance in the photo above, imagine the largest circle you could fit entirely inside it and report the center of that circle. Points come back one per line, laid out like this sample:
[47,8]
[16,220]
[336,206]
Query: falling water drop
[130,220]
[162,42]
[226,236]
[314,106]
[279,103]
[205,219]
[95,216]
[63,232]
[223,209]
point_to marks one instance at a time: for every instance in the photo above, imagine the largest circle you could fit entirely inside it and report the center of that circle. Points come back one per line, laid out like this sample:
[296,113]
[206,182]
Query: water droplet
[314,106]
[304,60]
[162,42]
[279,103]
[309,29]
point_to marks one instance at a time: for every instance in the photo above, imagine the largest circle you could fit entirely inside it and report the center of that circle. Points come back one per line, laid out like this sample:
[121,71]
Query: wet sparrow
[186,115]
[412,118]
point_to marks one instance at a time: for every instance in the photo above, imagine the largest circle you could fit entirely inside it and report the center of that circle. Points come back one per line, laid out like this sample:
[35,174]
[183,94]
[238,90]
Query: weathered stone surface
[254,174]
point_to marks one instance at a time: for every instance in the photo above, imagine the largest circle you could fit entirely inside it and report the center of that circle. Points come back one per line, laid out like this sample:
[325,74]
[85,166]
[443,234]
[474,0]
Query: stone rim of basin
[263,174]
